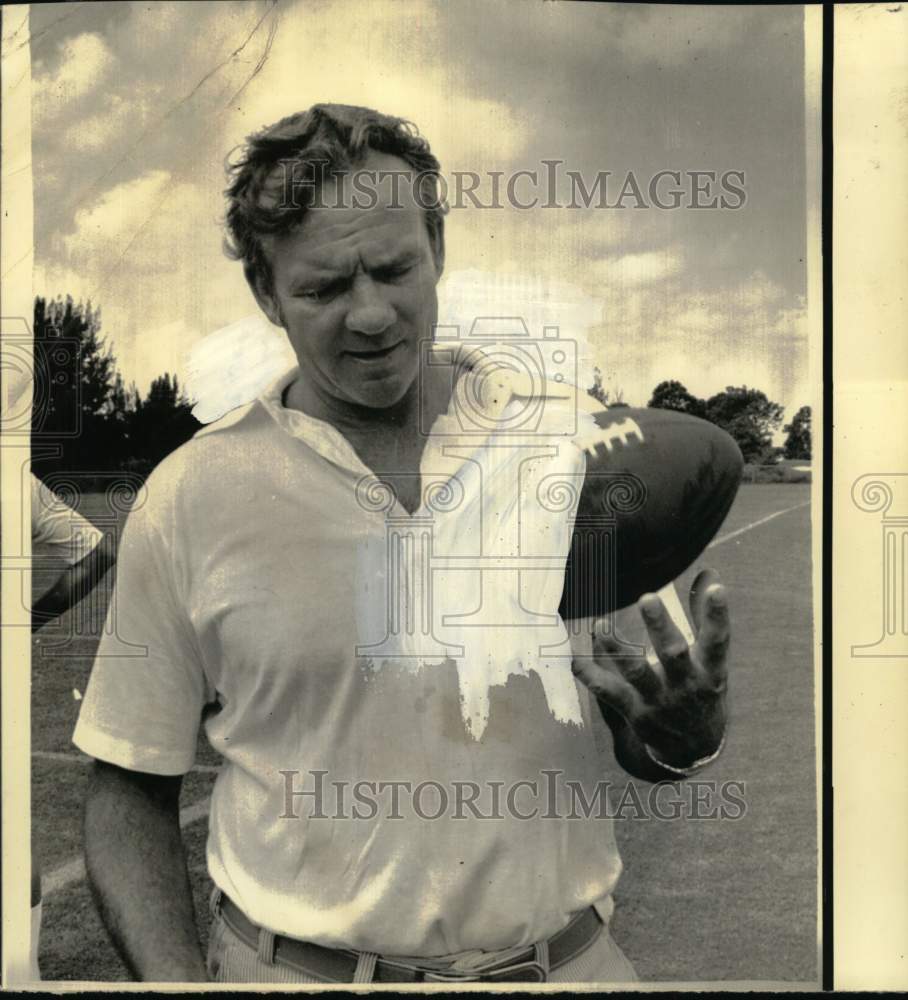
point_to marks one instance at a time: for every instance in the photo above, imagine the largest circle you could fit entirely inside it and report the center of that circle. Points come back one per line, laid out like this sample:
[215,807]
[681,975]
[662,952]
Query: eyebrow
[320,273]
[404,256]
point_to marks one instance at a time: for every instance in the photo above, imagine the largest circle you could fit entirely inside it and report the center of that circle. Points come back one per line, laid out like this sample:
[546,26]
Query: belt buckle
[521,972]
[449,977]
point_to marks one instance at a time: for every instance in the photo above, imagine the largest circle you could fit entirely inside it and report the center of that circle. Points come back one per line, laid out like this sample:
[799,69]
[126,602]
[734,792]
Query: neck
[354,418]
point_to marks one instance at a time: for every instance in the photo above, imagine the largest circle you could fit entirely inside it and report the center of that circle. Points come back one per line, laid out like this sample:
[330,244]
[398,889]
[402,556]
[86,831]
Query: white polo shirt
[330,642]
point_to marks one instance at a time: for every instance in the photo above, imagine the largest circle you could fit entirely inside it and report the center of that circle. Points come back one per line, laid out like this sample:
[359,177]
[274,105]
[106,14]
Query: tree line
[748,415]
[84,418]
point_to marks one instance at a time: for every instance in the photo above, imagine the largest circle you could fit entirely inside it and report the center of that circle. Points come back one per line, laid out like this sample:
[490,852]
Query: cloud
[148,251]
[547,308]
[116,216]
[559,245]
[382,68]
[749,333]
[673,36]
[116,118]
[162,349]
[85,63]
[633,270]
[145,228]
[50,279]
[129,181]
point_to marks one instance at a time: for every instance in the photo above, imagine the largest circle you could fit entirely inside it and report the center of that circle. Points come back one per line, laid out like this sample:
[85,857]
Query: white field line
[754,524]
[74,870]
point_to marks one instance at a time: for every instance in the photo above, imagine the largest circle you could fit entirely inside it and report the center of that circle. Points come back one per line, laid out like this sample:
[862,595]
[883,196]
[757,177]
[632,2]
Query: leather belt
[339,965]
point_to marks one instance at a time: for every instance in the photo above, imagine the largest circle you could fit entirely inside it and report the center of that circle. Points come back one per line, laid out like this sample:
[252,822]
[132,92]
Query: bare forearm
[137,869]
[55,601]
[74,584]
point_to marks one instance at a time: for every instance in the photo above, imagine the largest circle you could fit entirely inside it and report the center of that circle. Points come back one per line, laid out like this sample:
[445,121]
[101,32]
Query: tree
[751,419]
[673,395]
[82,407]
[75,386]
[160,423]
[598,391]
[798,444]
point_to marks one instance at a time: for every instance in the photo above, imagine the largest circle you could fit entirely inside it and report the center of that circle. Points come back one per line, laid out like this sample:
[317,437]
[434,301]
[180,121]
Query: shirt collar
[319,435]
[483,385]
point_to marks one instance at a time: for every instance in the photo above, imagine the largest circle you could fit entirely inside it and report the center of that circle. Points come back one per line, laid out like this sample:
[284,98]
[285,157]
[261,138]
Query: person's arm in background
[67,535]
[137,870]
[74,583]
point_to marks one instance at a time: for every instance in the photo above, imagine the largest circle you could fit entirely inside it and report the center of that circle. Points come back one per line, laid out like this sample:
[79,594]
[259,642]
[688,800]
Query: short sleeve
[144,701]
[55,524]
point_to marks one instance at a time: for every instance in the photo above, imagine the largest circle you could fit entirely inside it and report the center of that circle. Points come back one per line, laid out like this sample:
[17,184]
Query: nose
[370,313]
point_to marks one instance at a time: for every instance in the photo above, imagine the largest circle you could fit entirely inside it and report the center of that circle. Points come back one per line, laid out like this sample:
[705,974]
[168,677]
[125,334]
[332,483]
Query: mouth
[377,354]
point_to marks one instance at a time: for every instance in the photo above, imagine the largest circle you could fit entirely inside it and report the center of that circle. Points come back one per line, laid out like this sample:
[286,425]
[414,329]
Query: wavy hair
[266,196]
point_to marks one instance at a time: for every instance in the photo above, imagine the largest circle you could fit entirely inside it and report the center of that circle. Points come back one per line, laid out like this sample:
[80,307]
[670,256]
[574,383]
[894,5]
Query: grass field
[699,899]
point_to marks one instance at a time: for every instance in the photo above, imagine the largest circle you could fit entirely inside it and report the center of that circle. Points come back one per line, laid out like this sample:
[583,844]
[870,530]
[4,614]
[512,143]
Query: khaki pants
[231,960]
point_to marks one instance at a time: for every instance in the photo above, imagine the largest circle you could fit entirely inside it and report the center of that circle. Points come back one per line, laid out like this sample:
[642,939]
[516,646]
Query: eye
[394,272]
[321,293]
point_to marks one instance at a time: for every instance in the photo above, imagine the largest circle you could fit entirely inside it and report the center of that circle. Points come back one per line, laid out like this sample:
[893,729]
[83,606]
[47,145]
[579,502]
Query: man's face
[355,290]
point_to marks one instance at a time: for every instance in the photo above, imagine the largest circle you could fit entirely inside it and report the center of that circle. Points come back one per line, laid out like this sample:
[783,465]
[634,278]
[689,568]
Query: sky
[136,106]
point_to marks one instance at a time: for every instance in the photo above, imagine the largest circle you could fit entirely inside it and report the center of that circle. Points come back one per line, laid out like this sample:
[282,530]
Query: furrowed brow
[319,273]
[407,255]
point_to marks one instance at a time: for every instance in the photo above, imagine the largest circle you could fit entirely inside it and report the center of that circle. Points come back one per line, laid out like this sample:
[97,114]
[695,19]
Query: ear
[263,296]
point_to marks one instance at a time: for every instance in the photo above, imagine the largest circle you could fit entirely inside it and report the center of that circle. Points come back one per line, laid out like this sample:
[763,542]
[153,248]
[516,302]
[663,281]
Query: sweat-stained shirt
[329,642]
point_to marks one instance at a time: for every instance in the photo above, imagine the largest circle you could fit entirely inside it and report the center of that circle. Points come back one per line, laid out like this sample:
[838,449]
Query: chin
[381,397]
[384,393]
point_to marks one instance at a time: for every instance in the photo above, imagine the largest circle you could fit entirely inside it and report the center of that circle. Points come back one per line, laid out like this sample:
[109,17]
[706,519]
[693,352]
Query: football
[658,486]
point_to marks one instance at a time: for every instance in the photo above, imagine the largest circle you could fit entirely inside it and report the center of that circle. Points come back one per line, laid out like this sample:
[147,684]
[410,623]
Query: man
[258,577]
[89,555]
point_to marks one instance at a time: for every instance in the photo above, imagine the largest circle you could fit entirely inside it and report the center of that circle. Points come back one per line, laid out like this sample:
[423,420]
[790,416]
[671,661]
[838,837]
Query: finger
[606,685]
[668,643]
[715,636]
[606,642]
[633,667]
[705,579]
